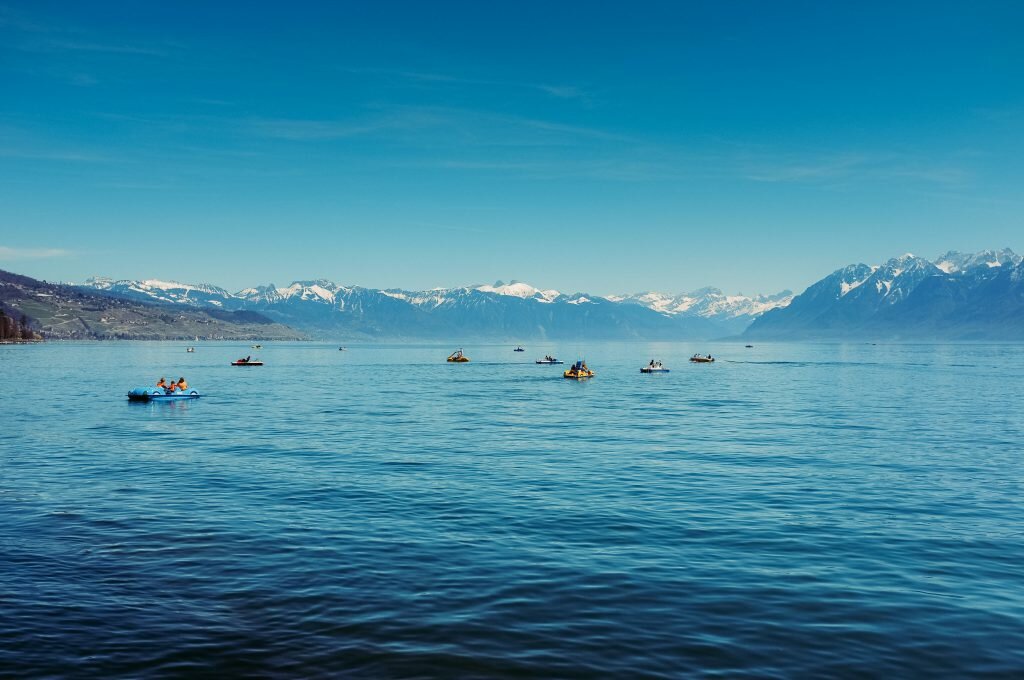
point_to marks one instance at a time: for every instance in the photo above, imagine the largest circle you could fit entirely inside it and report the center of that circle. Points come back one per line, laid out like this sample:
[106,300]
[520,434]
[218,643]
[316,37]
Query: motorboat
[519,349]
[548,359]
[457,357]
[702,359]
[190,350]
[257,346]
[247,361]
[579,371]
[160,394]
[748,346]
[654,367]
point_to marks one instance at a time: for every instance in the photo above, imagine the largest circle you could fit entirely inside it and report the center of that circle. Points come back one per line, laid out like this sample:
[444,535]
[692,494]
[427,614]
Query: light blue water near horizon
[792,509]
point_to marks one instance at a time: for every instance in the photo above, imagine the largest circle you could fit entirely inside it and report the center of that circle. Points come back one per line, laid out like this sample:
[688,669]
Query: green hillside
[64,312]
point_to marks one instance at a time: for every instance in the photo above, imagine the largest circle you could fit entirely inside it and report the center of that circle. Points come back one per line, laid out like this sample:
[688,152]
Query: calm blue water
[788,510]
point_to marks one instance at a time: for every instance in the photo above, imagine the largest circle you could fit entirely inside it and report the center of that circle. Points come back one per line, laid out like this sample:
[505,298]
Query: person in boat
[162,383]
[181,384]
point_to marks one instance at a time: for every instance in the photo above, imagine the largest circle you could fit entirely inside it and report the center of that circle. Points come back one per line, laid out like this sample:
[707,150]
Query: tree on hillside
[26,332]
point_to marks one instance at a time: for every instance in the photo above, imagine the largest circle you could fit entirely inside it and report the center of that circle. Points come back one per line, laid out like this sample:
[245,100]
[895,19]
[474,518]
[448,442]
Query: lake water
[791,509]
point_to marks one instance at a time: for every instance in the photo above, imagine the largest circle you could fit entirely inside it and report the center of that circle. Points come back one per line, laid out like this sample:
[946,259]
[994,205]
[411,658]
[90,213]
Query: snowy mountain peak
[954,262]
[707,302]
[849,278]
[175,286]
[519,290]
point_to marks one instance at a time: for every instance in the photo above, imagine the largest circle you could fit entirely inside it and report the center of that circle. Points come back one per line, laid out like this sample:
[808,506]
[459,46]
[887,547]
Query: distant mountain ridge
[958,296]
[512,310]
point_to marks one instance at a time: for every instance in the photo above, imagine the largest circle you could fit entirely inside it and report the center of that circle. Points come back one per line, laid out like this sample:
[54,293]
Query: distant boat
[457,357]
[519,349]
[748,346]
[191,349]
[548,359]
[654,367]
[579,371]
[342,349]
[247,361]
[698,359]
[257,346]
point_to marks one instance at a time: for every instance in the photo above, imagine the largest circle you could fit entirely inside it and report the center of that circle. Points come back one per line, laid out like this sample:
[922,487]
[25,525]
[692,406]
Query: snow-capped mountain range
[505,310]
[956,296]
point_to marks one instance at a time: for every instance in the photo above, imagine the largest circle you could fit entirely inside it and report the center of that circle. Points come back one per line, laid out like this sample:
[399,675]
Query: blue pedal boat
[158,394]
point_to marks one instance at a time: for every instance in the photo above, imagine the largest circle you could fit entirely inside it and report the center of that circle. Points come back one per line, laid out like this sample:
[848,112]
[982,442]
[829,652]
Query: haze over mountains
[506,311]
[957,296]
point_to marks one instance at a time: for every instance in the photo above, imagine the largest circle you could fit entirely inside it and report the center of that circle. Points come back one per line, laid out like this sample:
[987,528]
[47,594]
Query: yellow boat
[579,371]
[457,357]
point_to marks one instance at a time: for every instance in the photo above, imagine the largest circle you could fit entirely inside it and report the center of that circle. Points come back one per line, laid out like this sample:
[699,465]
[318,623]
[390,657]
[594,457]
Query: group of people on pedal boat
[172,387]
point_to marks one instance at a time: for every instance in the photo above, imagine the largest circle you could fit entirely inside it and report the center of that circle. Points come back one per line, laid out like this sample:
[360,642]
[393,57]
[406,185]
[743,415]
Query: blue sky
[600,147]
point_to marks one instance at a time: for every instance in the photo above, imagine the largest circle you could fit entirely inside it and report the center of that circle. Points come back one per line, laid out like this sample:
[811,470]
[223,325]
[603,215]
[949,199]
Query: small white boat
[550,360]
[654,367]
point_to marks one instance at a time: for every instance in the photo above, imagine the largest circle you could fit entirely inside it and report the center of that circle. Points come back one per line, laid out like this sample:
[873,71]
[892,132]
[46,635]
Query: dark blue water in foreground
[789,510]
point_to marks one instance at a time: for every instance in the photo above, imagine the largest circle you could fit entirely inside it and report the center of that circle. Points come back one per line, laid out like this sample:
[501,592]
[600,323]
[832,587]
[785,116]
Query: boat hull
[246,363]
[551,363]
[654,370]
[157,394]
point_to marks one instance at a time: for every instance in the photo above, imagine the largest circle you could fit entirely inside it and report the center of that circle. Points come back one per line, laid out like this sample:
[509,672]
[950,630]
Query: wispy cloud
[30,35]
[825,166]
[108,48]
[7,253]
[49,154]
[795,168]
[559,91]
[20,142]
[313,130]
[563,91]
[447,125]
